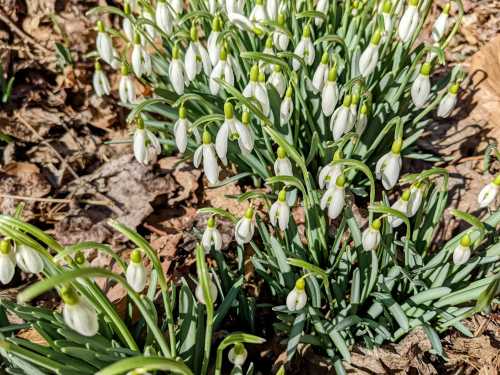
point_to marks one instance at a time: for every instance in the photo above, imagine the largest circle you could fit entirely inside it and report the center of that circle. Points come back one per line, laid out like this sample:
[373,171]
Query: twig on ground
[56,200]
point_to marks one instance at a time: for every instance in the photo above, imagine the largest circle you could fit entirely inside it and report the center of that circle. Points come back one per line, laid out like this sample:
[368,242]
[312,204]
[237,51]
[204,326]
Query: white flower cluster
[26,258]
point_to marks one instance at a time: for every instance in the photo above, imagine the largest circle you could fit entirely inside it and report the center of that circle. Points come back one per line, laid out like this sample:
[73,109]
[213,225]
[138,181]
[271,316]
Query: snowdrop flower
[282,165]
[447,104]
[237,355]
[78,313]
[334,198]
[400,205]
[416,197]
[211,236]
[257,89]
[461,253]
[286,107]
[127,27]
[234,6]
[181,128]
[268,50]
[369,58]
[126,88]
[100,81]
[136,272]
[28,259]
[362,120]
[353,116]
[176,72]
[141,61]
[259,12]
[232,128]
[272,9]
[213,292]
[421,87]
[279,213]
[146,145]
[222,70]
[488,193]
[277,79]
[297,298]
[386,15]
[196,57]
[245,227]
[164,18]
[388,166]
[104,44]
[213,47]
[341,119]
[320,76]
[329,173]
[409,21]
[439,27]
[150,30]
[322,7]
[7,264]
[304,49]
[281,38]
[177,7]
[356,7]
[206,152]
[371,236]
[330,93]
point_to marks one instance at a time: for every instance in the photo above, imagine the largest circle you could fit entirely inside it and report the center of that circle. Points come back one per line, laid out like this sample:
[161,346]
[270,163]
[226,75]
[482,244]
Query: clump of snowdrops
[322,102]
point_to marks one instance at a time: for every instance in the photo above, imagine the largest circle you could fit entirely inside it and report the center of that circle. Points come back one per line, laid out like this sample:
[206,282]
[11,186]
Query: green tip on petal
[254,73]
[223,54]
[139,122]
[406,195]
[193,33]
[282,195]
[347,101]
[97,65]
[281,153]
[216,24]
[364,109]
[100,26]
[426,69]
[228,110]
[396,146]
[340,182]
[496,181]
[207,138]
[136,256]
[175,52]
[355,99]
[387,6]
[211,222]
[289,92]
[300,284]
[249,213]
[307,32]
[269,42]
[454,88]
[332,74]
[376,224]
[5,247]
[281,19]
[137,38]
[262,77]
[465,240]
[245,118]
[376,37]
[325,58]
[69,296]
[182,112]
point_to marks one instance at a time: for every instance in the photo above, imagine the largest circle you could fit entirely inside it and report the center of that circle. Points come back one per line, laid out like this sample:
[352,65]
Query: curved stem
[106,249]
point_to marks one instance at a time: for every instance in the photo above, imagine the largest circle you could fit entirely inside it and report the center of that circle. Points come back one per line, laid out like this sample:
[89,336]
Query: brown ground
[57,163]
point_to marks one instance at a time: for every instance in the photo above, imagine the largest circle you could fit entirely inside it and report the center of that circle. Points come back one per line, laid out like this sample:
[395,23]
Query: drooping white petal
[336,203]
[283,216]
[216,73]
[286,110]
[210,166]
[329,98]
[245,136]
[273,213]
[283,167]
[213,48]
[221,140]
[105,47]
[320,77]
[176,75]
[408,23]
[280,40]
[387,169]
[181,135]
[439,27]
[164,17]
[262,97]
[237,359]
[446,105]
[139,145]
[137,276]
[339,122]
[201,296]
[7,268]
[128,29]
[28,259]
[296,300]
[368,60]
[244,230]
[278,81]
[198,156]
[190,62]
[81,317]
[416,197]
[401,206]
[370,239]
[487,195]
[461,254]
[420,90]
[328,175]
[205,58]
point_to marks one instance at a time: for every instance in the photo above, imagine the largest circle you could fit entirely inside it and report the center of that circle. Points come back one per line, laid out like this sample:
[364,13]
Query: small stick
[55,200]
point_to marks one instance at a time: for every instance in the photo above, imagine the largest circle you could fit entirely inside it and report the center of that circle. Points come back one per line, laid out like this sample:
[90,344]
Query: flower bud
[78,313]
[297,298]
[136,272]
[7,264]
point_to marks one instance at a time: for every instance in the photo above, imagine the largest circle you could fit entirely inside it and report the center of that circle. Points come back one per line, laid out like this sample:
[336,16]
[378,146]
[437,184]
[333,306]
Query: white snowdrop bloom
[7,262]
[245,227]
[461,253]
[222,70]
[409,21]
[280,37]
[277,79]
[206,152]
[126,87]
[488,193]
[329,173]
[259,12]
[279,213]
[282,165]
[322,7]
[136,273]
[145,144]
[400,205]
[286,106]
[272,7]
[416,197]
[371,236]
[104,44]
[334,198]
[100,81]
[362,120]
[127,27]
[388,166]
[340,121]
[256,88]
[421,87]
[196,57]
[211,236]
[164,18]
[78,313]
[353,115]
[28,259]
[439,27]
[213,292]
[237,354]
[304,49]
[176,72]
[386,15]
[177,7]
[240,21]
[369,58]
[447,104]
[356,7]
[320,76]
[234,6]
[265,67]
[150,30]
[330,93]
[141,61]
[181,129]
[213,47]
[232,128]
[297,298]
